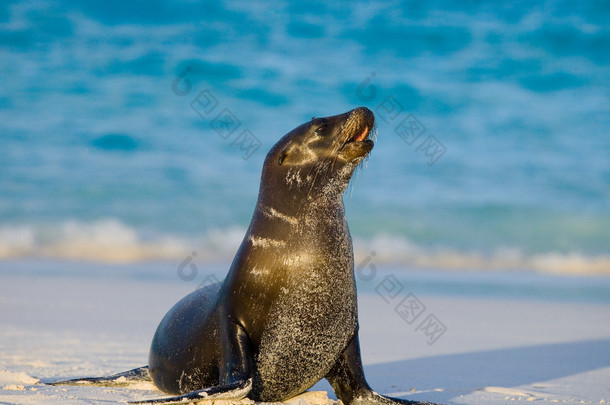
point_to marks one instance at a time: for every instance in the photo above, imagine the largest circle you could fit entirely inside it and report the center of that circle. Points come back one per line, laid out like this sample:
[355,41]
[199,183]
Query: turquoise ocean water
[136,130]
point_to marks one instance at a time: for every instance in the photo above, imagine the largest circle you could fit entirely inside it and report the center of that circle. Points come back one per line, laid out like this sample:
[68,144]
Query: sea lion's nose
[365,114]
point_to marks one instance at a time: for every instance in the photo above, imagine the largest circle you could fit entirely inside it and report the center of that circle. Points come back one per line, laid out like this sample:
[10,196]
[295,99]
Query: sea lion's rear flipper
[235,391]
[347,379]
[123,379]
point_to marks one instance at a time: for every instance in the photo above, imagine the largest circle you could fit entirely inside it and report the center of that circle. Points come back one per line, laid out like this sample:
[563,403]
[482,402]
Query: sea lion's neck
[298,214]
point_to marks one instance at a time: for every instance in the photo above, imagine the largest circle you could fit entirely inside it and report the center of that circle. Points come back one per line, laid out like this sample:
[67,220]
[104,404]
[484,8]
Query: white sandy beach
[495,350]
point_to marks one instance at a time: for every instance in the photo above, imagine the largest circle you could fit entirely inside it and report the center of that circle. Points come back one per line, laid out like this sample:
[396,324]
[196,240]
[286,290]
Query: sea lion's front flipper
[116,380]
[235,363]
[347,379]
[234,391]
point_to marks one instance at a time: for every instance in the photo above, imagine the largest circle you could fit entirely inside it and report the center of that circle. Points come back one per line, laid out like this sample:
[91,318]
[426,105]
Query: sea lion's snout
[359,124]
[356,130]
[364,114]
[361,121]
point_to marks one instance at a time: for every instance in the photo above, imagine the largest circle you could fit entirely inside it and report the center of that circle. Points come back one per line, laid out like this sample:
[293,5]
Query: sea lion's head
[318,158]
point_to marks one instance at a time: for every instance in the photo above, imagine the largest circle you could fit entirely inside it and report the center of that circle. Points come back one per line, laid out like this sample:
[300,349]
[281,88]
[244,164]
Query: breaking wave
[112,241]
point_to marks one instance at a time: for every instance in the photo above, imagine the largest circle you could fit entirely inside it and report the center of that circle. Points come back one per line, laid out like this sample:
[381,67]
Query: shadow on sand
[461,374]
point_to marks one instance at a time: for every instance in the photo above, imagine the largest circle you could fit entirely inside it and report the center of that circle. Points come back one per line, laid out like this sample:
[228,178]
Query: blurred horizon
[136,131]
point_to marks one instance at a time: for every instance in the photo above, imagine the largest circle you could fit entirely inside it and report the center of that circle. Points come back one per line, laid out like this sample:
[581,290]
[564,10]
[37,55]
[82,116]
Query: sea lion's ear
[282,157]
[287,151]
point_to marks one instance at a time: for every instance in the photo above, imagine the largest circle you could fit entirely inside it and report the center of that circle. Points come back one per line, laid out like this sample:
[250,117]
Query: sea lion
[286,314]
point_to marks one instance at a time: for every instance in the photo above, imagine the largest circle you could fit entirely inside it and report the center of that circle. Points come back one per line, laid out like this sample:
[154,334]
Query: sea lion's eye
[321,129]
[281,159]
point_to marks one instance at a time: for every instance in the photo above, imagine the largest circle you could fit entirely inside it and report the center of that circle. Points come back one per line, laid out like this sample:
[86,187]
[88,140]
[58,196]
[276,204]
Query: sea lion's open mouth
[358,126]
[362,136]
[356,132]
